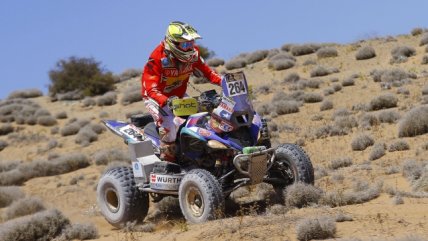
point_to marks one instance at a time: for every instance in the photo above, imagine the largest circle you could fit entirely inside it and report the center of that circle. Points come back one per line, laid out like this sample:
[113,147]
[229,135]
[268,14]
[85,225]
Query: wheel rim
[112,200]
[195,202]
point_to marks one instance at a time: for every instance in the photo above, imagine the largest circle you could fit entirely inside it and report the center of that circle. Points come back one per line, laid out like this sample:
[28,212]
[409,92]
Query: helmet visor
[185,46]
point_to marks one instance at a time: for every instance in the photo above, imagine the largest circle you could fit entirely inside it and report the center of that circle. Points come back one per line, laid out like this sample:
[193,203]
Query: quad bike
[219,149]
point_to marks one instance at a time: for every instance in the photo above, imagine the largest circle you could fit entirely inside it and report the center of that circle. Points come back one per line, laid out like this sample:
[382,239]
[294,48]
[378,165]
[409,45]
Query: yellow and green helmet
[179,40]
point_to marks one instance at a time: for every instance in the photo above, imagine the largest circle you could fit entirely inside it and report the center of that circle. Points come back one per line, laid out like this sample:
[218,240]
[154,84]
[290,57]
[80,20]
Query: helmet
[179,40]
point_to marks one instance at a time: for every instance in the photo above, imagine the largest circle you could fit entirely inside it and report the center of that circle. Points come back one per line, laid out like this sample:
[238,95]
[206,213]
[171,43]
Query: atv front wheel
[119,199]
[291,165]
[201,196]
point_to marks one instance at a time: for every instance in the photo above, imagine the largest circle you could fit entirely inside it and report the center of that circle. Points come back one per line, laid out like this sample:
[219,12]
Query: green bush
[81,74]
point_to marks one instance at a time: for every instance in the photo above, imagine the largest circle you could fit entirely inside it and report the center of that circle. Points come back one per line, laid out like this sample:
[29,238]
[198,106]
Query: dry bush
[263,89]
[80,232]
[320,71]
[312,97]
[342,217]
[88,101]
[397,199]
[326,52]
[107,99]
[414,122]
[131,95]
[425,90]
[383,102]
[44,225]
[9,194]
[361,142]
[61,115]
[403,91]
[304,49]
[129,74]
[399,145]
[22,207]
[70,129]
[326,105]
[236,63]
[309,62]
[345,123]
[6,129]
[329,130]
[367,120]
[282,61]
[286,47]
[388,116]
[3,145]
[416,31]
[348,197]
[8,165]
[424,59]
[377,152]
[29,93]
[328,91]
[86,135]
[394,76]
[256,56]
[340,162]
[337,87]
[412,170]
[301,195]
[348,82]
[313,83]
[424,39]
[284,107]
[104,157]
[316,228]
[366,52]
[421,184]
[294,77]
[46,120]
[215,62]
[401,53]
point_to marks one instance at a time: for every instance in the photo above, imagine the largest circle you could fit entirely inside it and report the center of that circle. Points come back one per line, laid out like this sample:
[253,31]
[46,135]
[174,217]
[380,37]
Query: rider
[165,77]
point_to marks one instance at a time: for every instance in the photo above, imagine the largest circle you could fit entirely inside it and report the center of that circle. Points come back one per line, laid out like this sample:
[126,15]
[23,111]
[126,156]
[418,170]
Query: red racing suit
[166,76]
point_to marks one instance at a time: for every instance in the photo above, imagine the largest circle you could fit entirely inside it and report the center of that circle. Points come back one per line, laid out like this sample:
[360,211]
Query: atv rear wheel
[291,165]
[201,196]
[119,199]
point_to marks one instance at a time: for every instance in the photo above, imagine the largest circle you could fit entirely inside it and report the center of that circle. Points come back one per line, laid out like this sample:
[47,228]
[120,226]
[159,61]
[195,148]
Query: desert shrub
[368,120]
[22,207]
[256,56]
[366,52]
[391,76]
[3,145]
[82,74]
[129,74]
[388,116]
[424,59]
[9,194]
[312,97]
[301,195]
[313,83]
[86,135]
[341,112]
[424,39]
[425,90]
[281,61]
[235,63]
[88,101]
[284,107]
[377,152]
[61,115]
[45,225]
[337,87]
[403,91]
[304,49]
[315,228]
[417,31]
[286,47]
[397,199]
[326,52]
[415,122]
[326,105]
[263,89]
[293,78]
[80,232]
[383,102]
[399,145]
[70,129]
[29,93]
[412,170]
[421,184]
[6,129]
[8,165]
[130,96]
[348,82]
[320,71]
[328,91]
[340,162]
[105,157]
[107,99]
[341,198]
[46,120]
[361,142]
[215,62]
[401,53]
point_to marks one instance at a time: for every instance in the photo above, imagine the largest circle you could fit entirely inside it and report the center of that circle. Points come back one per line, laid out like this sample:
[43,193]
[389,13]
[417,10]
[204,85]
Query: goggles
[185,46]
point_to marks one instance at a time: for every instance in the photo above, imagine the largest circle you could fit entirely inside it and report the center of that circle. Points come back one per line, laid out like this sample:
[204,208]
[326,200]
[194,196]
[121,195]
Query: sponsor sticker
[137,169]
[165,182]
[204,132]
[132,132]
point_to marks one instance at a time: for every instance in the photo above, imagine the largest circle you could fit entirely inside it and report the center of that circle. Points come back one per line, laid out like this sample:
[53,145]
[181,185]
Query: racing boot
[167,151]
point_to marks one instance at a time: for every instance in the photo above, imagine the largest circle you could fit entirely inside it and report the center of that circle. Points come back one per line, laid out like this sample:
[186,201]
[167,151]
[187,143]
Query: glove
[169,101]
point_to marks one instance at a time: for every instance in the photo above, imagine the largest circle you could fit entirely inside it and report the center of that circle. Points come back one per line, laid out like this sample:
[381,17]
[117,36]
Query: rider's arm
[203,69]
[151,80]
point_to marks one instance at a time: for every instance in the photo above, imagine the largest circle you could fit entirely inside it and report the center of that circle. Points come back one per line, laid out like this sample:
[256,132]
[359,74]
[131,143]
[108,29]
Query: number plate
[132,132]
[236,85]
